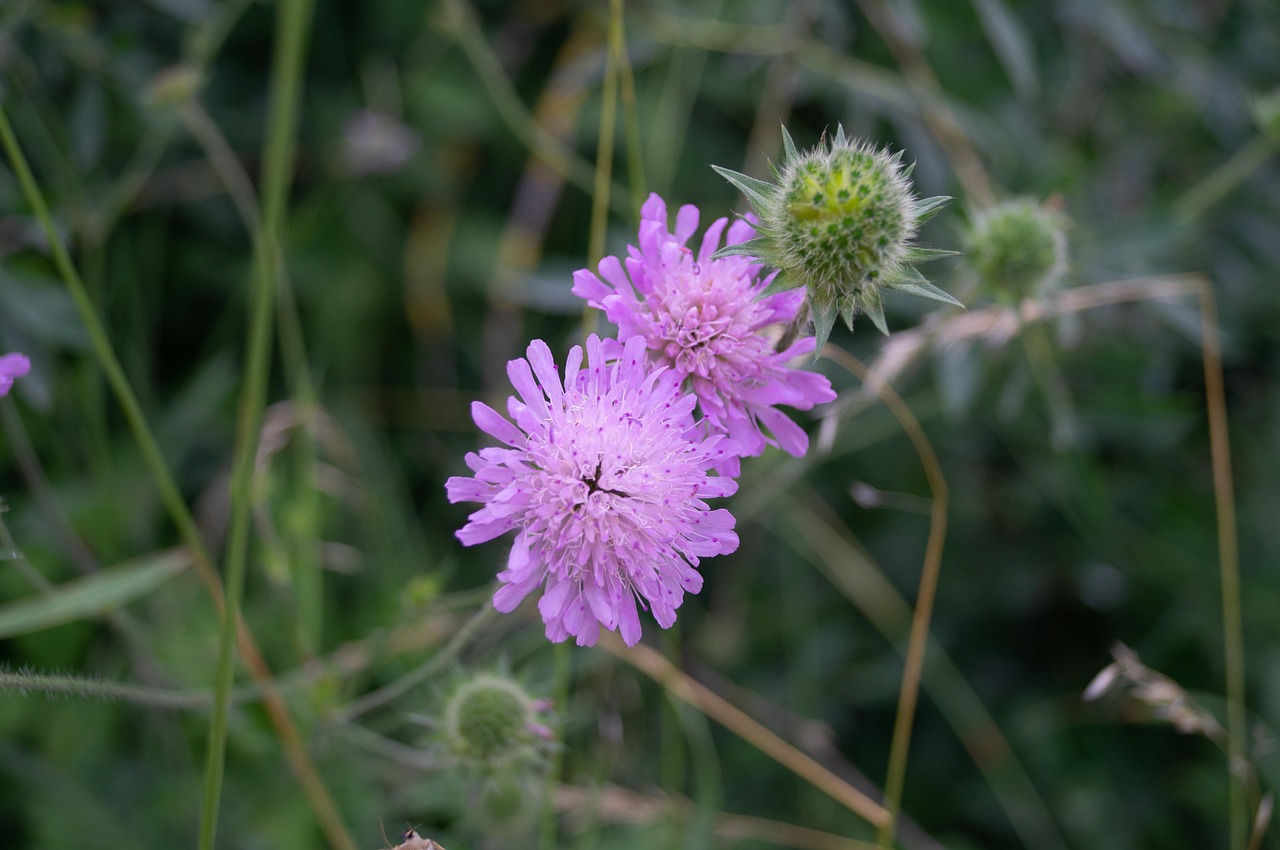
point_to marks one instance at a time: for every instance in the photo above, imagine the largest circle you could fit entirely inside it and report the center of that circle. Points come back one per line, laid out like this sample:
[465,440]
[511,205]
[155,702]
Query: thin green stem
[107,360]
[680,685]
[560,696]
[630,114]
[818,534]
[1229,565]
[604,143]
[292,345]
[672,734]
[1226,177]
[170,496]
[934,106]
[909,693]
[10,553]
[27,682]
[293,20]
[1035,342]
[460,21]
[604,162]
[463,636]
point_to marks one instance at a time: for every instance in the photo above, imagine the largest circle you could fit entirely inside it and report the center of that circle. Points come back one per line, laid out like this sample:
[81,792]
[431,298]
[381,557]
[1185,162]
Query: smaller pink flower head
[603,479]
[704,319]
[12,366]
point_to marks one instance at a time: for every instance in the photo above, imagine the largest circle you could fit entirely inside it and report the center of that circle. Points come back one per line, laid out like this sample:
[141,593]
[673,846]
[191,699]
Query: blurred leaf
[960,373]
[92,595]
[187,11]
[88,123]
[39,309]
[1011,44]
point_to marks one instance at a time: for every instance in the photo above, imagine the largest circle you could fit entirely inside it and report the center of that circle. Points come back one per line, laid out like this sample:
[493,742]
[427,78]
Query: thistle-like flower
[603,479]
[839,222]
[12,366]
[1018,248]
[705,320]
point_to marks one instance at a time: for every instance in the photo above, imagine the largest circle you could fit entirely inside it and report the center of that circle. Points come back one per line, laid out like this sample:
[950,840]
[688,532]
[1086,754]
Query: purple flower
[705,319]
[603,479]
[12,366]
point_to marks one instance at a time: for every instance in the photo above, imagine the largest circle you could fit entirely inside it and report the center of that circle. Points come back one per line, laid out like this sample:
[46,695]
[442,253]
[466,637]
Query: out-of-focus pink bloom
[12,366]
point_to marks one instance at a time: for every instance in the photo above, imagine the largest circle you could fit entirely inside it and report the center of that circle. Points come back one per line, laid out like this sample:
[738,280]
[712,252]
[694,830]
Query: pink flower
[705,319]
[12,366]
[603,479]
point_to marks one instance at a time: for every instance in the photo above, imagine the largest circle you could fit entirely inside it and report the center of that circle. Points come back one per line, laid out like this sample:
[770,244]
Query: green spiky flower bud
[1018,248]
[491,723]
[839,221]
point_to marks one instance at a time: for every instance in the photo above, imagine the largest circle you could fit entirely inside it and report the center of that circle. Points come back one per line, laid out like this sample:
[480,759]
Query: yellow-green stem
[560,697]
[909,693]
[460,21]
[1226,177]
[1229,565]
[604,160]
[680,685]
[170,497]
[293,19]
[630,115]
[307,577]
[107,360]
[1044,368]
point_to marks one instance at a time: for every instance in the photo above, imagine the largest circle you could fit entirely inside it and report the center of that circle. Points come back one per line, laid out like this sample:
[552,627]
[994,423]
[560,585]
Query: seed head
[491,723]
[839,221]
[1018,248]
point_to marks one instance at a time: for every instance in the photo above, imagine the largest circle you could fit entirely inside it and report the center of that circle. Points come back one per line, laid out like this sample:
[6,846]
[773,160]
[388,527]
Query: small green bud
[839,221]
[491,723]
[1018,248]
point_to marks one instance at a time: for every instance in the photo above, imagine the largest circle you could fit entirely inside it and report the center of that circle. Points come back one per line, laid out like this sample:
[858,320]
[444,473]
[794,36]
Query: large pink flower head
[12,366]
[603,480]
[705,319]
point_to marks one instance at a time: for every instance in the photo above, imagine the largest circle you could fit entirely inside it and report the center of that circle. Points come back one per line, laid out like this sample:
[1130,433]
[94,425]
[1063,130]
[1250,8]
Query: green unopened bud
[839,221]
[1018,248]
[491,723]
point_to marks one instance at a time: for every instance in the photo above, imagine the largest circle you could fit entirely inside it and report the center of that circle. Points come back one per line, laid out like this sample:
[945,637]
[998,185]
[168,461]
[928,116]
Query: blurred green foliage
[442,197]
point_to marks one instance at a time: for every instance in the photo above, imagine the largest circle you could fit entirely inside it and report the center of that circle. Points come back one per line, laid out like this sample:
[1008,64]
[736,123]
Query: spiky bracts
[839,221]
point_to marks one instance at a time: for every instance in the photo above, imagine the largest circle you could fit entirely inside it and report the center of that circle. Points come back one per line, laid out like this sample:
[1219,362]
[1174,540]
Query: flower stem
[604,145]
[678,683]
[1225,178]
[919,639]
[170,496]
[560,695]
[293,19]
[1228,564]
[630,115]
[107,360]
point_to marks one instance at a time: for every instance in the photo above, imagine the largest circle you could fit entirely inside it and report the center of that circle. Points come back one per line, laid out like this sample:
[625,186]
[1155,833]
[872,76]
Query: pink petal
[495,425]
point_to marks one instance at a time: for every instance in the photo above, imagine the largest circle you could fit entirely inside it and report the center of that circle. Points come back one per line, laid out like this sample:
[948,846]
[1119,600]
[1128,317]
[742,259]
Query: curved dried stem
[652,664]
[909,693]
[935,110]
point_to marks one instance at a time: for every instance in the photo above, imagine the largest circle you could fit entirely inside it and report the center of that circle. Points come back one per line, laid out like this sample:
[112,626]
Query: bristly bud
[490,723]
[839,221]
[1018,248]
